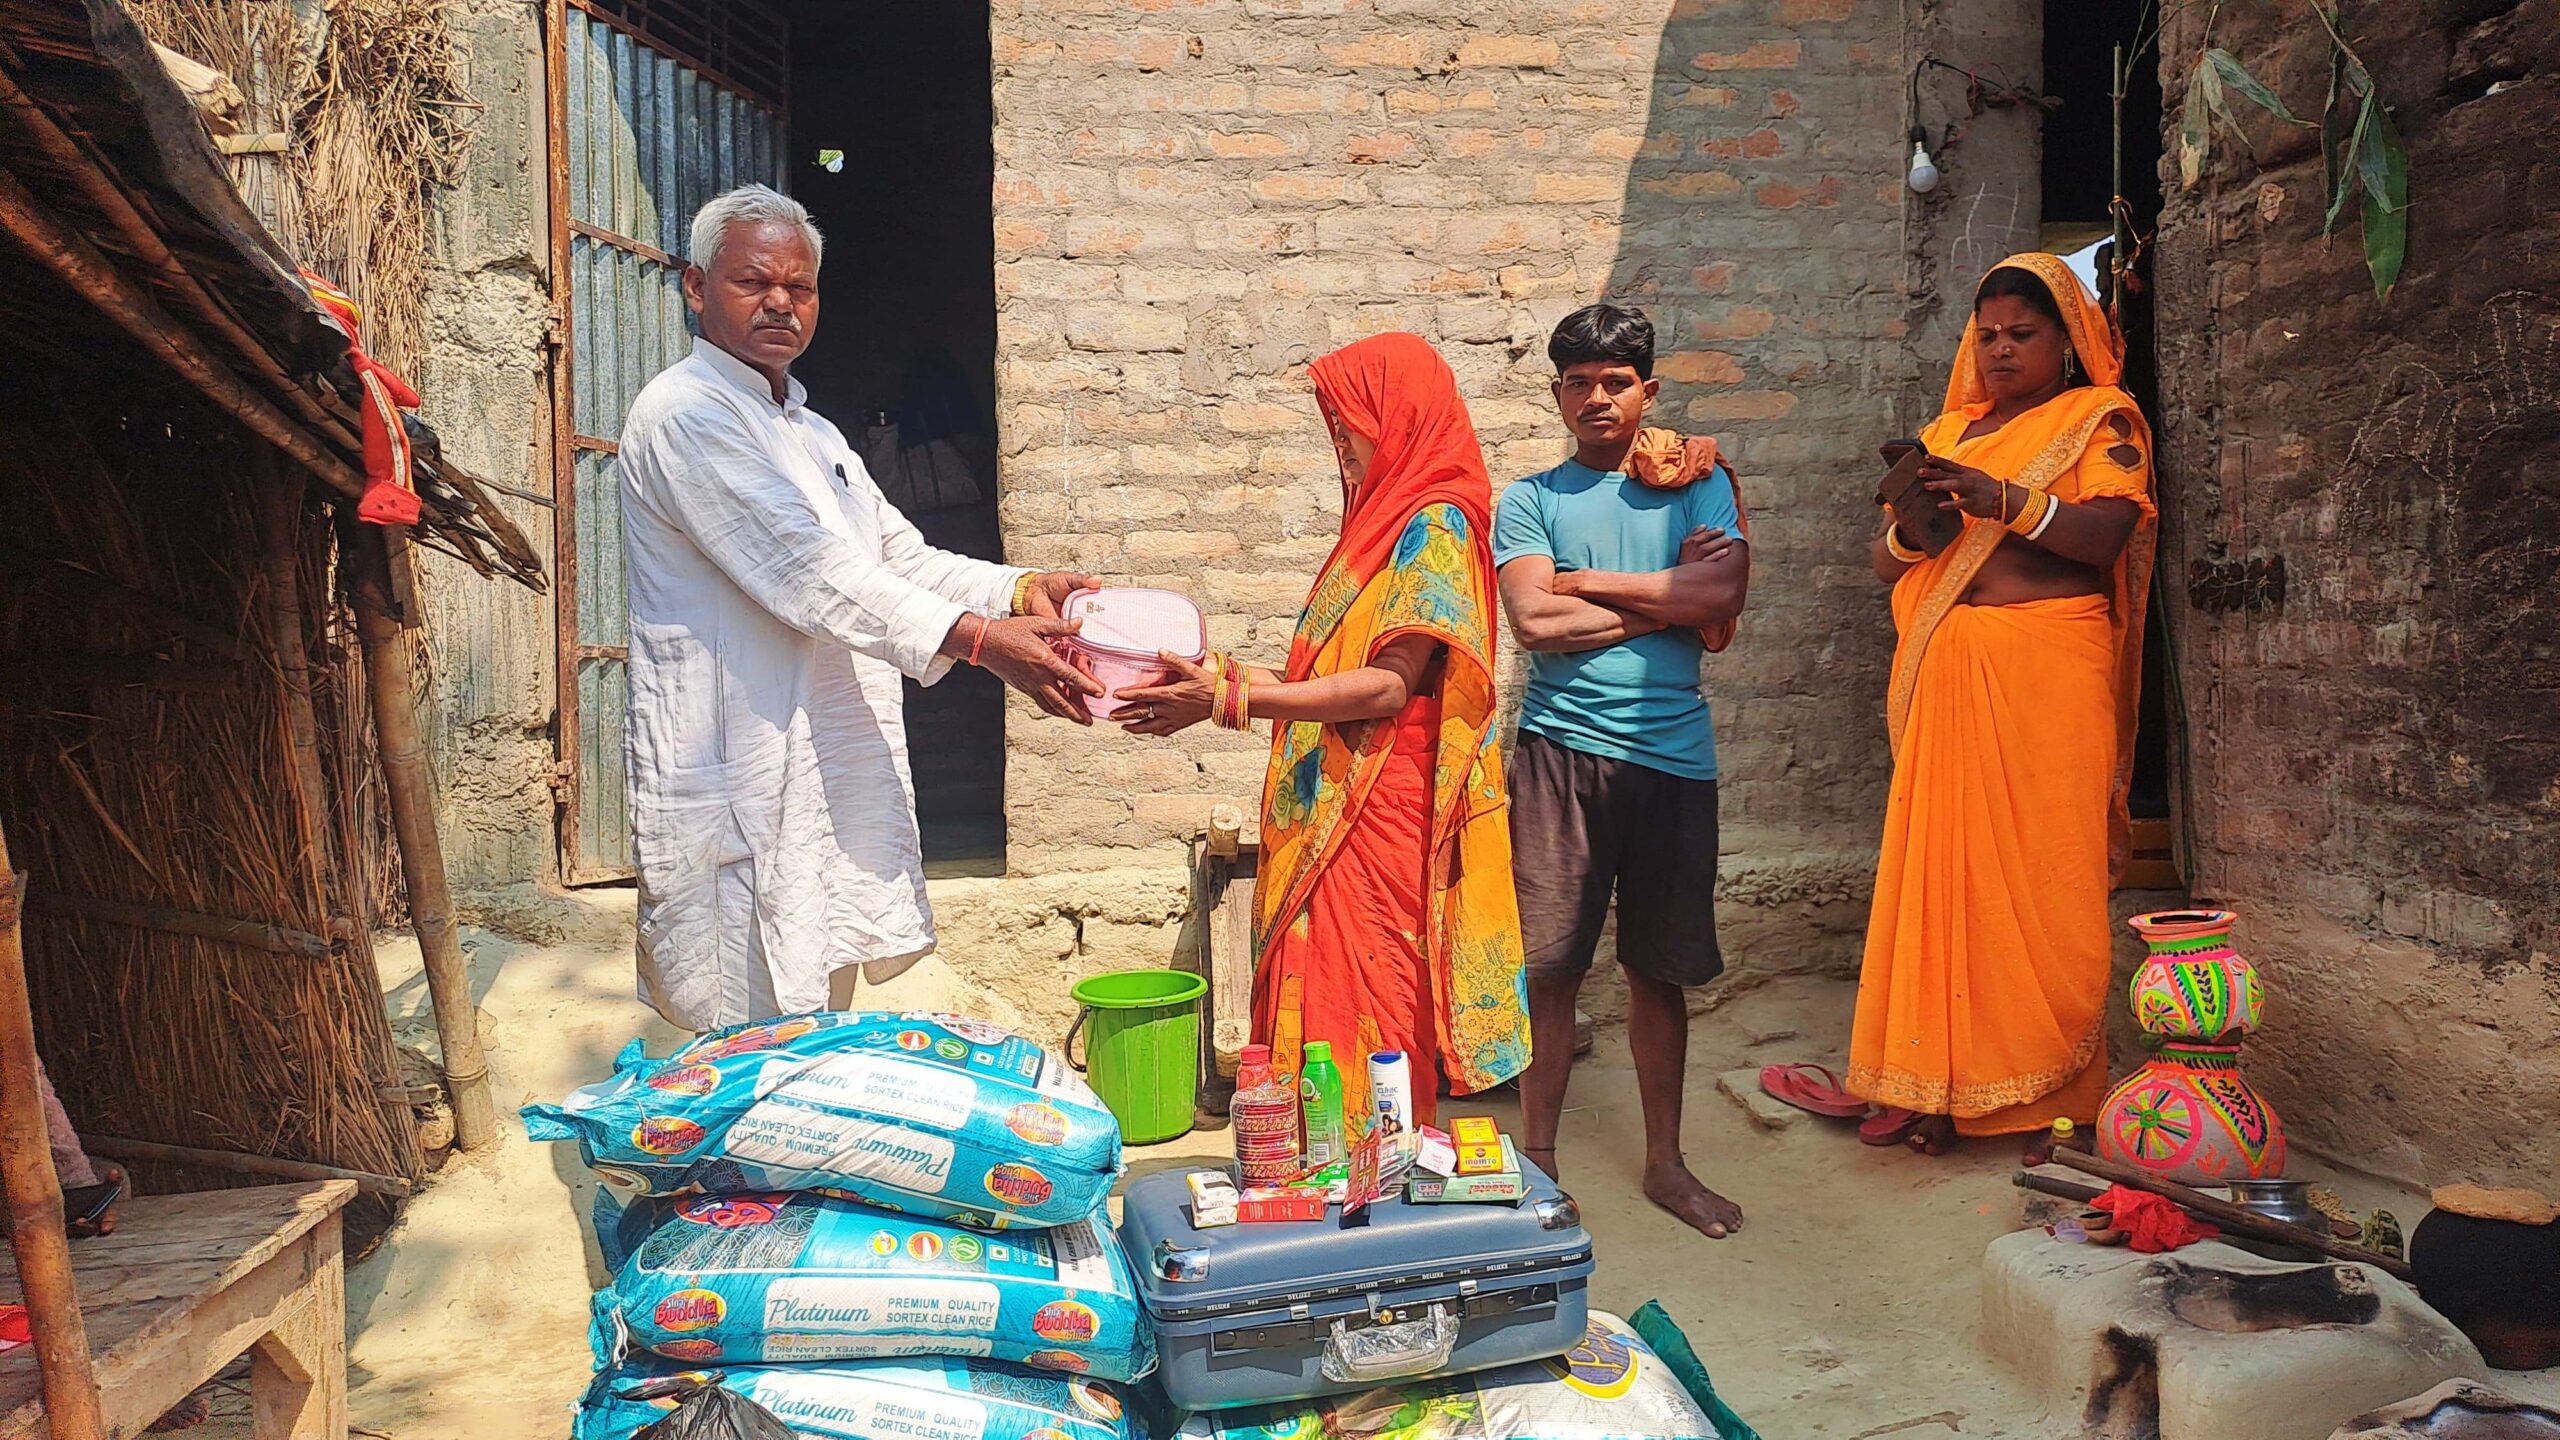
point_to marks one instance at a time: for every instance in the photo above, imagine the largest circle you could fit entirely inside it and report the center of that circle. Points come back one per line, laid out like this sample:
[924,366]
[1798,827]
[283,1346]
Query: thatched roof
[131,261]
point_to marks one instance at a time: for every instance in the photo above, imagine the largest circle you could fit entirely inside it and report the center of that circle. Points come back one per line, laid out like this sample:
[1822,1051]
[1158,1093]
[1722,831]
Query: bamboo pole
[35,1199]
[169,920]
[2239,1219]
[280,516]
[411,789]
[117,1148]
[81,266]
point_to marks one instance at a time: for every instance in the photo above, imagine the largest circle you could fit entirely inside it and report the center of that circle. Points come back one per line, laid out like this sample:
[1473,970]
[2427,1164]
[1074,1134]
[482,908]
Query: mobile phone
[1915,510]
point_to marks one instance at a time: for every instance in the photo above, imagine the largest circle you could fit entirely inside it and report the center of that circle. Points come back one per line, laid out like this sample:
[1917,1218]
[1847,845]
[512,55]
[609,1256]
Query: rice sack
[868,1399]
[931,1115]
[757,1278]
[1610,1387]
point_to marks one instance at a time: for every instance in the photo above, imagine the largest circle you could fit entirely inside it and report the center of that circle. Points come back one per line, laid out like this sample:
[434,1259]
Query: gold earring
[2070,366]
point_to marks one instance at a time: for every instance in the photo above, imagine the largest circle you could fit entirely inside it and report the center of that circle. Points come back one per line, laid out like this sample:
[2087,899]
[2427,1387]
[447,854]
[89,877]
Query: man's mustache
[786,322]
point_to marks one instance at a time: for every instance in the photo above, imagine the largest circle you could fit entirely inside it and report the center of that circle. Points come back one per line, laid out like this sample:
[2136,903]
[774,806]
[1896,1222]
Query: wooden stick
[35,1198]
[2239,1219]
[2060,1189]
[144,606]
[411,788]
[280,493]
[79,263]
[167,920]
[240,1163]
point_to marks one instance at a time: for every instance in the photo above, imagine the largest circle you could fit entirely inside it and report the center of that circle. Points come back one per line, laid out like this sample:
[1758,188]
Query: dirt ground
[1845,1309]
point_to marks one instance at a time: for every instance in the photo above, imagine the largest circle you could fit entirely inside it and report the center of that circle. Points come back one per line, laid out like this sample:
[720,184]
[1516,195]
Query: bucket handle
[1083,1013]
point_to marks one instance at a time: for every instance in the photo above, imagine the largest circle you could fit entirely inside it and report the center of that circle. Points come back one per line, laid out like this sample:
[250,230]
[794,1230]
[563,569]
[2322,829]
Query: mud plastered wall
[2373,756]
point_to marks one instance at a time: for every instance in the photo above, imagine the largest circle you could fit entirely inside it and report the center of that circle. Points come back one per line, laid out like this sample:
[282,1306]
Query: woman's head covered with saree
[1414,557]
[2088,442]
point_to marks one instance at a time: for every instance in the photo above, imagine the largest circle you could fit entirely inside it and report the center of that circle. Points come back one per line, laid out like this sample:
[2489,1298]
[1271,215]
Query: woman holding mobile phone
[1982,1006]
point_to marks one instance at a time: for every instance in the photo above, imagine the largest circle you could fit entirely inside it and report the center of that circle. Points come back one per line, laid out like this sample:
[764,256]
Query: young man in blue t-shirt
[1607,581]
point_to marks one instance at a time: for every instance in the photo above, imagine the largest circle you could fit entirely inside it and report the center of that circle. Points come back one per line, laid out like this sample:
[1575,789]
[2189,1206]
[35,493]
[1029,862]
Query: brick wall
[2374,761]
[1195,198]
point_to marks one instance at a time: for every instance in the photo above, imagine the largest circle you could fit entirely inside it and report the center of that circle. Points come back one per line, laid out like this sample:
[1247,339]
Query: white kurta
[775,600]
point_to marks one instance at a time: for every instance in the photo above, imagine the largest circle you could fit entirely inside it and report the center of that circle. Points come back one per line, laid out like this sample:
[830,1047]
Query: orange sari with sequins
[1989,946]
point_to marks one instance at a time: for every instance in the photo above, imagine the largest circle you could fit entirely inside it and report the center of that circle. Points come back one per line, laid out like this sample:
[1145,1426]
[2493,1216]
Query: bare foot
[1548,1163]
[1674,1189]
[1936,1135]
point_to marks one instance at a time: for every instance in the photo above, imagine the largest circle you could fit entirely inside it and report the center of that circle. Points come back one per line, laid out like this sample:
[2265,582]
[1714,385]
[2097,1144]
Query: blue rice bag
[930,1115]
[871,1399]
[788,1278]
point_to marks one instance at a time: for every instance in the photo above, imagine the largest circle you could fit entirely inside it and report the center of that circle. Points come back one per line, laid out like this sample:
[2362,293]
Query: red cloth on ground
[2152,1223]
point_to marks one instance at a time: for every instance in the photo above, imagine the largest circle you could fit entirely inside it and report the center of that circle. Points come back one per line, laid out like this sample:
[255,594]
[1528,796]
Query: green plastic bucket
[1142,1044]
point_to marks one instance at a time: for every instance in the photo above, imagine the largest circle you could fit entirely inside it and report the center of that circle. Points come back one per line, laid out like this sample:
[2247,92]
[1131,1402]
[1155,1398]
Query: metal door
[644,129]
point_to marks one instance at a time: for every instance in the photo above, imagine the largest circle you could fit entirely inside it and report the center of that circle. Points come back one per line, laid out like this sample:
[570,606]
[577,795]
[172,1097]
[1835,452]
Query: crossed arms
[1594,609]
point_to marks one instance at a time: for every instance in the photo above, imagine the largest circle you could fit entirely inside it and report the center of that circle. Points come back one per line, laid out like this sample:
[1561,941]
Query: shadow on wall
[1760,231]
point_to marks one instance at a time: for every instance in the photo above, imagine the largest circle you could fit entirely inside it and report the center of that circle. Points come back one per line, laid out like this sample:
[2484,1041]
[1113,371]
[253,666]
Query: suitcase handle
[1299,1330]
[1396,1351]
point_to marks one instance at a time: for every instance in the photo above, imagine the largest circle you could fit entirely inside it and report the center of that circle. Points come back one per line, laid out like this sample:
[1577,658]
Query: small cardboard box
[1506,1186]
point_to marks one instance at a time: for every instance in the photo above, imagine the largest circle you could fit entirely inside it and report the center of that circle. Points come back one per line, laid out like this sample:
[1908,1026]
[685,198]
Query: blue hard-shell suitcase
[1251,1314]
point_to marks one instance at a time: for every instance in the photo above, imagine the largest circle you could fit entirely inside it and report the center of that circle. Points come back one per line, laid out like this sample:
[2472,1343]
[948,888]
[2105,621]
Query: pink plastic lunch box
[1125,629]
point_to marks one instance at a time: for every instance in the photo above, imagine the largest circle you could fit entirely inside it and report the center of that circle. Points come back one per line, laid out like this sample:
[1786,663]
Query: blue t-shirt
[1640,700]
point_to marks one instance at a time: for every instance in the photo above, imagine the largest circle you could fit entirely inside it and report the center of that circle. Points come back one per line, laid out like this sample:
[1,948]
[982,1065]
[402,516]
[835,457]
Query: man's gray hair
[749,205]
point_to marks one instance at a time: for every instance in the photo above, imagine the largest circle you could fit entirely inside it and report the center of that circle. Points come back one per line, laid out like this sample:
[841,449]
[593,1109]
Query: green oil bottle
[1320,1108]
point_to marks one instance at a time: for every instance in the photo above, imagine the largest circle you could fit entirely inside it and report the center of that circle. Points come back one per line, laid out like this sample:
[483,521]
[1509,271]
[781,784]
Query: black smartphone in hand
[1916,511]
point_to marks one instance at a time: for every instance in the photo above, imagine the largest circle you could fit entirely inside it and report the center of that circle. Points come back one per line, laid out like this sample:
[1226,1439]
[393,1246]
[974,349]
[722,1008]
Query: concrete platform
[2209,1343]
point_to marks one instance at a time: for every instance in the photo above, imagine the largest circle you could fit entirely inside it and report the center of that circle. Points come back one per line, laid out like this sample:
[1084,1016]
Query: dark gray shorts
[1583,825]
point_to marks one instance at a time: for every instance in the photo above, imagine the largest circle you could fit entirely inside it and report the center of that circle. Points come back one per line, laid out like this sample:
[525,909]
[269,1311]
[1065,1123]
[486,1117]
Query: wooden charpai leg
[298,1371]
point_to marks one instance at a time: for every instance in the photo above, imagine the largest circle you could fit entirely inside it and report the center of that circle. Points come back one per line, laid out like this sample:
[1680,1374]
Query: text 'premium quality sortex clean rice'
[788,1278]
[931,1115]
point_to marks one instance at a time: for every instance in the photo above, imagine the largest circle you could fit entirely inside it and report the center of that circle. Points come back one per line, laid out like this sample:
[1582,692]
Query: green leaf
[2195,129]
[2382,162]
[2386,244]
[2333,144]
[2382,167]
[2348,174]
[2230,72]
[2209,80]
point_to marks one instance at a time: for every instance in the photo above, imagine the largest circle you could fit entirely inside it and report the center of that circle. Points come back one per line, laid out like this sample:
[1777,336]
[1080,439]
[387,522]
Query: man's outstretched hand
[1017,652]
[1050,589]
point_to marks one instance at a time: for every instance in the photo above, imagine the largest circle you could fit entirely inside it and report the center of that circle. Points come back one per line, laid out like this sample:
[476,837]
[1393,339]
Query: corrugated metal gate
[656,106]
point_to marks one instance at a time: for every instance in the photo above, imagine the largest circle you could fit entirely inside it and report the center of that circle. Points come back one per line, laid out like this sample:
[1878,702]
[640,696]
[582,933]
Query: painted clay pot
[2193,985]
[2187,1116]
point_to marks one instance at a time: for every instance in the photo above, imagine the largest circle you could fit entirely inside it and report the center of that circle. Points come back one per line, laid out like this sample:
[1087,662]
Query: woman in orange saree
[1982,1004]
[1384,918]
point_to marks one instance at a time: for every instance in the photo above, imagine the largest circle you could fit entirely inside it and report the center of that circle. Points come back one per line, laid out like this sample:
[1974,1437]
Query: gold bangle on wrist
[1022,592]
[1894,547]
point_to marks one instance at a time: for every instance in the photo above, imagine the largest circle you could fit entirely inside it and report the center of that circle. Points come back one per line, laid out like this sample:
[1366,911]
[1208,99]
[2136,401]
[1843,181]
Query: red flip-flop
[1890,1125]
[1796,1085]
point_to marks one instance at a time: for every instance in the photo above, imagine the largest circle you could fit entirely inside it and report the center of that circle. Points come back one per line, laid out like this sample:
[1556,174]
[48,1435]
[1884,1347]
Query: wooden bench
[184,1287]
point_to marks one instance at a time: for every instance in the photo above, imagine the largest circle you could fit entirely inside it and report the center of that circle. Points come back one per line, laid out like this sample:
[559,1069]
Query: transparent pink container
[1125,629]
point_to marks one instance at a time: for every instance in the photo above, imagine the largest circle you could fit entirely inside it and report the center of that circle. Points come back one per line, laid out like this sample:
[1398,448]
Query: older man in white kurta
[775,601]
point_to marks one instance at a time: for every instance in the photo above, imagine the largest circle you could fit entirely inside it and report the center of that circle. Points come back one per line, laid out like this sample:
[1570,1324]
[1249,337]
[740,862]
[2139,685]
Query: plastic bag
[708,1411]
[1610,1387]
[872,1399]
[759,1278]
[933,1115]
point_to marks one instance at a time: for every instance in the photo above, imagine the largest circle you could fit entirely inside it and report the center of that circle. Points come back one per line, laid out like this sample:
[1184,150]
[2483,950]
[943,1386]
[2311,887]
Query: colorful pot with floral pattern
[2193,985]
[2187,1114]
